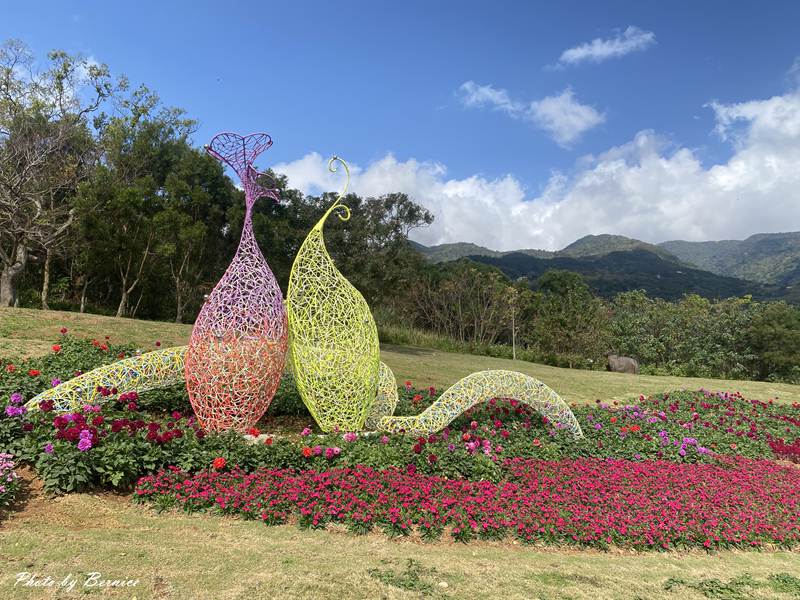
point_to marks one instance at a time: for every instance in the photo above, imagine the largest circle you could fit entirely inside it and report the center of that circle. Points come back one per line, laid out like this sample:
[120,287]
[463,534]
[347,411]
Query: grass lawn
[179,556]
[201,556]
[25,332]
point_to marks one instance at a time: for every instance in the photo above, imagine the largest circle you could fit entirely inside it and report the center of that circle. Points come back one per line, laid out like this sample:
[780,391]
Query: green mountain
[598,245]
[618,271]
[765,257]
[590,245]
[765,265]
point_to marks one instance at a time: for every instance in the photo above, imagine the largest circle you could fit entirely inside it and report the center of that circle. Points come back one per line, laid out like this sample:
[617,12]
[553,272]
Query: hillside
[764,265]
[457,250]
[619,271]
[765,257]
[590,245]
[31,332]
[598,245]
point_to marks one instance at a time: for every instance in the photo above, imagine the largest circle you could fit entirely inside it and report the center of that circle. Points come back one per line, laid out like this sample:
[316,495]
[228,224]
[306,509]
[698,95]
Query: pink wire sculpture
[237,349]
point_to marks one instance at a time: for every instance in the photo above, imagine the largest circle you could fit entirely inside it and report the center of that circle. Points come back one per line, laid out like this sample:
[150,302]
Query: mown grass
[203,556]
[25,332]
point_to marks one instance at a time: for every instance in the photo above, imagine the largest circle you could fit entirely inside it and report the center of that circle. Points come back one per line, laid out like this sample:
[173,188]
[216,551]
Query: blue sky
[480,110]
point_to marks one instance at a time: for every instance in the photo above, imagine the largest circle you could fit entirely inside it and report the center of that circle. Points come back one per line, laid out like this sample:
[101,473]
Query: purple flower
[48,448]
[350,436]
[16,398]
[336,451]
[306,431]
[317,450]
[84,444]
[598,426]
[15,411]
[451,447]
[55,382]
[384,439]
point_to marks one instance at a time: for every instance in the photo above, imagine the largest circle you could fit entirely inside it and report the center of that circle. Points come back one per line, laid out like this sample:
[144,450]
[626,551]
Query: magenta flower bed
[588,502]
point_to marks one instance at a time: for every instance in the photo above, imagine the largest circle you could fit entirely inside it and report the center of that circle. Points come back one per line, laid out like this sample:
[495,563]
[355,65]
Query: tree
[464,301]
[46,150]
[774,335]
[569,321]
[120,204]
[191,226]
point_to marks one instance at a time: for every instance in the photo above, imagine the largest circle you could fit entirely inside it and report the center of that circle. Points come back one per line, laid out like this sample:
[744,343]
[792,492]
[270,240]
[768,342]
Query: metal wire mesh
[334,341]
[152,370]
[238,344]
[481,387]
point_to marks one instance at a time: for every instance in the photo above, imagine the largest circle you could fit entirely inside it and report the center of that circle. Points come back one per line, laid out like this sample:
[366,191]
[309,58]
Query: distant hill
[448,252]
[766,265]
[598,245]
[618,271]
[590,245]
[772,258]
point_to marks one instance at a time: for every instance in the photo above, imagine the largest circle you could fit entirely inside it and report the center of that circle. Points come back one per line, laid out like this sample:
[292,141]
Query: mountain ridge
[765,265]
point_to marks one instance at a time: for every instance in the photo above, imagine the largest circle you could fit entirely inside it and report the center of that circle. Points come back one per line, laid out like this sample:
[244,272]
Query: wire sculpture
[151,370]
[236,353]
[481,387]
[334,341]
[385,400]
[237,349]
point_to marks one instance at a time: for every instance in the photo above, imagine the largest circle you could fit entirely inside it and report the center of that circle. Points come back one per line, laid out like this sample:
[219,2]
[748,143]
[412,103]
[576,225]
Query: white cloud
[632,39]
[562,116]
[646,188]
[473,95]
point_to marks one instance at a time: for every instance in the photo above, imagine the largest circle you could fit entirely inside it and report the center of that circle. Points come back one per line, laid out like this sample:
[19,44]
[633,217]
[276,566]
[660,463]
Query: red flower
[121,355]
[63,330]
[613,419]
[158,344]
[416,398]
[268,441]
[56,348]
[733,446]
[10,368]
[536,442]
[635,428]
[34,372]
[219,463]
[254,432]
[104,347]
[307,452]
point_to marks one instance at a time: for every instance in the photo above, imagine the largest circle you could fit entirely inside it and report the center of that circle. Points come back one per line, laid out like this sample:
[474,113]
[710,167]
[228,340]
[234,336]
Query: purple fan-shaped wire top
[238,345]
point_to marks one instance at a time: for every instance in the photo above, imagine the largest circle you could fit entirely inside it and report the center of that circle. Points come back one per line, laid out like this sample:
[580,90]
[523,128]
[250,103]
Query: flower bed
[588,502]
[9,482]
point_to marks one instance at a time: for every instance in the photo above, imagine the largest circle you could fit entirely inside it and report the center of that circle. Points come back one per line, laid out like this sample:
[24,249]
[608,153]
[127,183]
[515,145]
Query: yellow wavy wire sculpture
[333,341]
[481,387]
[159,368]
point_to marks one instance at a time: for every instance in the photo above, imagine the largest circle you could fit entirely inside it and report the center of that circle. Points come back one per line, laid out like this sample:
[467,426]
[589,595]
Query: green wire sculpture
[333,341]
